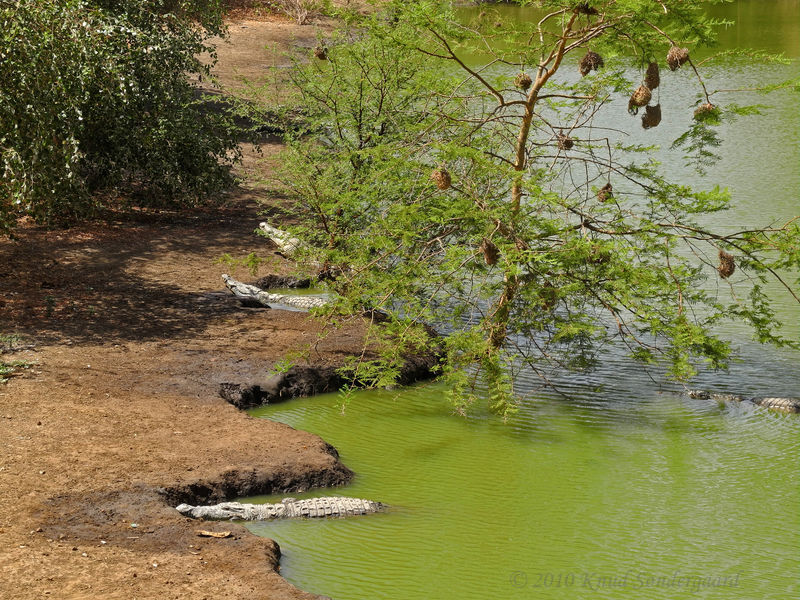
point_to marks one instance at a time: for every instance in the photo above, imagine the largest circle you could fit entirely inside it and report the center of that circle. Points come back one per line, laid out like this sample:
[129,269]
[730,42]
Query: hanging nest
[321,52]
[591,61]
[639,98]
[490,251]
[441,177]
[564,141]
[548,296]
[583,8]
[704,111]
[605,193]
[726,265]
[676,57]
[599,255]
[652,116]
[652,77]
[522,81]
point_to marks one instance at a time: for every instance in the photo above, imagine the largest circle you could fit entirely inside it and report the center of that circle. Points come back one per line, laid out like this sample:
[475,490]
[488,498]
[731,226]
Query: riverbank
[120,405]
[118,416]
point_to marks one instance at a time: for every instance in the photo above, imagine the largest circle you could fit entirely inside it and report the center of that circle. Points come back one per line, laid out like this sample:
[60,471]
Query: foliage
[11,342]
[8,341]
[440,193]
[302,11]
[9,369]
[95,101]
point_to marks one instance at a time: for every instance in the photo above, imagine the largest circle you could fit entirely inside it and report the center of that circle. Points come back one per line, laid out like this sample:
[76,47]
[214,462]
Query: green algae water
[647,496]
[628,488]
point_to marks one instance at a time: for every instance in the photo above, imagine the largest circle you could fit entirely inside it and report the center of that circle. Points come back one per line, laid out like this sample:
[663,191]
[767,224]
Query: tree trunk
[502,309]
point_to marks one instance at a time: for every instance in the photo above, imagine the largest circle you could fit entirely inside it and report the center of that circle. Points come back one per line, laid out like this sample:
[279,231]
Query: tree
[96,103]
[485,200]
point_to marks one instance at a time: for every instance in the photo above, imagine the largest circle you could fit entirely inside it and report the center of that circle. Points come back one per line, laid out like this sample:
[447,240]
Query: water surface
[628,489]
[605,486]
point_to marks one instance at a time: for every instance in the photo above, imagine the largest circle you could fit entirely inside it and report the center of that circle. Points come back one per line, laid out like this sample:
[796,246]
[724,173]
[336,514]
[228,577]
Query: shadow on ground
[116,281]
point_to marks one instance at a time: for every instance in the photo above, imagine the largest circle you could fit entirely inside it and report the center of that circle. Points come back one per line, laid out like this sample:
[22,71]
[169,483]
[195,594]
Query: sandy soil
[119,417]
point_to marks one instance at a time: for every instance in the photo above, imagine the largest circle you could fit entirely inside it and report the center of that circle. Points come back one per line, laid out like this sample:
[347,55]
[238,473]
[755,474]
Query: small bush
[10,369]
[96,97]
[302,11]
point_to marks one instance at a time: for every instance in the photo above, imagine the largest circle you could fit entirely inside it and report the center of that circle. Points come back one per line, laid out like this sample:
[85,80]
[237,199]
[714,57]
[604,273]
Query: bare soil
[119,418]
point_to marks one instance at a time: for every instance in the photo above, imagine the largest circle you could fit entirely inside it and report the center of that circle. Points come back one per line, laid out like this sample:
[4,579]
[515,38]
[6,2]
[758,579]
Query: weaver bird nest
[441,177]
[652,77]
[704,111]
[605,193]
[522,81]
[676,57]
[583,8]
[592,61]
[599,255]
[321,52]
[490,251]
[639,98]
[548,296]
[726,265]
[564,141]
[652,116]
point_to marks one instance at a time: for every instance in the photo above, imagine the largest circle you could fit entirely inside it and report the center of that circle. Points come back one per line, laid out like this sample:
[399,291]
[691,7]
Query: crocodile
[286,243]
[259,297]
[791,405]
[288,508]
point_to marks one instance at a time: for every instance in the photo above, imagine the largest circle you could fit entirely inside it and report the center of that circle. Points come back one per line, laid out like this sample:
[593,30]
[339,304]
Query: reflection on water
[772,26]
[629,489]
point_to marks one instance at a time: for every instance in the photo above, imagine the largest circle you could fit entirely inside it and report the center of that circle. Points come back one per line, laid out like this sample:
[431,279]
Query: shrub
[302,11]
[96,97]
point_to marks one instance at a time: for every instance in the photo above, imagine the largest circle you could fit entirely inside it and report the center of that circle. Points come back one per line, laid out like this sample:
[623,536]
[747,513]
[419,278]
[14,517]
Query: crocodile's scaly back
[289,508]
[791,405]
[785,404]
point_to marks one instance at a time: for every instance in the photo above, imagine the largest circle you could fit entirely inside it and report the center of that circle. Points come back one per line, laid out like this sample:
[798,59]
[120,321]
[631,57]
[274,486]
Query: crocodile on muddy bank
[288,508]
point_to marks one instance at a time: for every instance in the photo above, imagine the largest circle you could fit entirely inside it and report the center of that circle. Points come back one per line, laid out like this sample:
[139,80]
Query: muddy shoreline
[119,417]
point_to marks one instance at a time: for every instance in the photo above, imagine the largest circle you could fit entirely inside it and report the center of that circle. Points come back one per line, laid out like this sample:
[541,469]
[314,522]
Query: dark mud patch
[237,483]
[283,281]
[309,380]
[142,518]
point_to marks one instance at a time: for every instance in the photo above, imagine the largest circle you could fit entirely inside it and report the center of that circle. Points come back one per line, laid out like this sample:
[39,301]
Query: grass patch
[12,368]
[11,342]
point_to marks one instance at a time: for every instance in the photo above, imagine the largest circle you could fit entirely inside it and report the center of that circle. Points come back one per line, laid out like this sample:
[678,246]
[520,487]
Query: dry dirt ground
[118,419]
